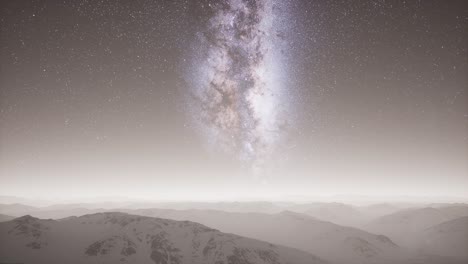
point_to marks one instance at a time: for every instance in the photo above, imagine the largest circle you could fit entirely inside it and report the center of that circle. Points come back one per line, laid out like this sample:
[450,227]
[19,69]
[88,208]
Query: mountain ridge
[112,237]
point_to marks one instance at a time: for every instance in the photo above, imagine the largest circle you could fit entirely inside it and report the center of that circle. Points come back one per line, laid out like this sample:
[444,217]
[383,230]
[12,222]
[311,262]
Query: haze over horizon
[117,201]
[226,100]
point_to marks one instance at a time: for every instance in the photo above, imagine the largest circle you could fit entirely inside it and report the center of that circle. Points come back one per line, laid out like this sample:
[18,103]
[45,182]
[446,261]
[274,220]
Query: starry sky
[233,98]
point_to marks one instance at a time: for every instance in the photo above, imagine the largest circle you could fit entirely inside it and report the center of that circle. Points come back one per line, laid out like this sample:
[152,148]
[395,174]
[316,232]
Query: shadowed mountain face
[123,238]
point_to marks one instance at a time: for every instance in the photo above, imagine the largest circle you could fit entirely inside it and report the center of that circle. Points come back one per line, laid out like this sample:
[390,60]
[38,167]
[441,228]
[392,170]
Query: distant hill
[404,226]
[447,239]
[17,209]
[4,218]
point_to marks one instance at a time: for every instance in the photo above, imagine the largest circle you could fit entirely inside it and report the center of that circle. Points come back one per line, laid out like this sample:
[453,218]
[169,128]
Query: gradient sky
[96,100]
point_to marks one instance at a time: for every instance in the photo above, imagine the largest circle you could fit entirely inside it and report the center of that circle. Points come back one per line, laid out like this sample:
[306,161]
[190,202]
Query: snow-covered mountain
[301,231]
[327,240]
[447,239]
[123,238]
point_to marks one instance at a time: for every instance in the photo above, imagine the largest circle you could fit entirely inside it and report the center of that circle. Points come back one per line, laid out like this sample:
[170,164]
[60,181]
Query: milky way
[239,96]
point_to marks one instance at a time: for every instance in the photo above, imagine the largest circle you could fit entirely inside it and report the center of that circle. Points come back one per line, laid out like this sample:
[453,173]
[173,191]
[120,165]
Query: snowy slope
[123,238]
[327,240]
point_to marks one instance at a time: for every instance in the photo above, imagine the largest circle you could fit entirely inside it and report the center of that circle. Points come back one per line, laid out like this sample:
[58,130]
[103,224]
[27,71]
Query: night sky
[233,98]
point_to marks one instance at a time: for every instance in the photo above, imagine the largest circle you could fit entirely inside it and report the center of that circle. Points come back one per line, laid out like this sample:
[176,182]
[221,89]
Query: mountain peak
[25,219]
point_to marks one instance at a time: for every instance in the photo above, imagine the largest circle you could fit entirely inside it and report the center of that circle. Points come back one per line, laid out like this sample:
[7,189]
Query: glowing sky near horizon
[228,98]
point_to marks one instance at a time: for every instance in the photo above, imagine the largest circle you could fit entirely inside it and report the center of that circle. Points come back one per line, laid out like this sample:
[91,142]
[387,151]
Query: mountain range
[123,238]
